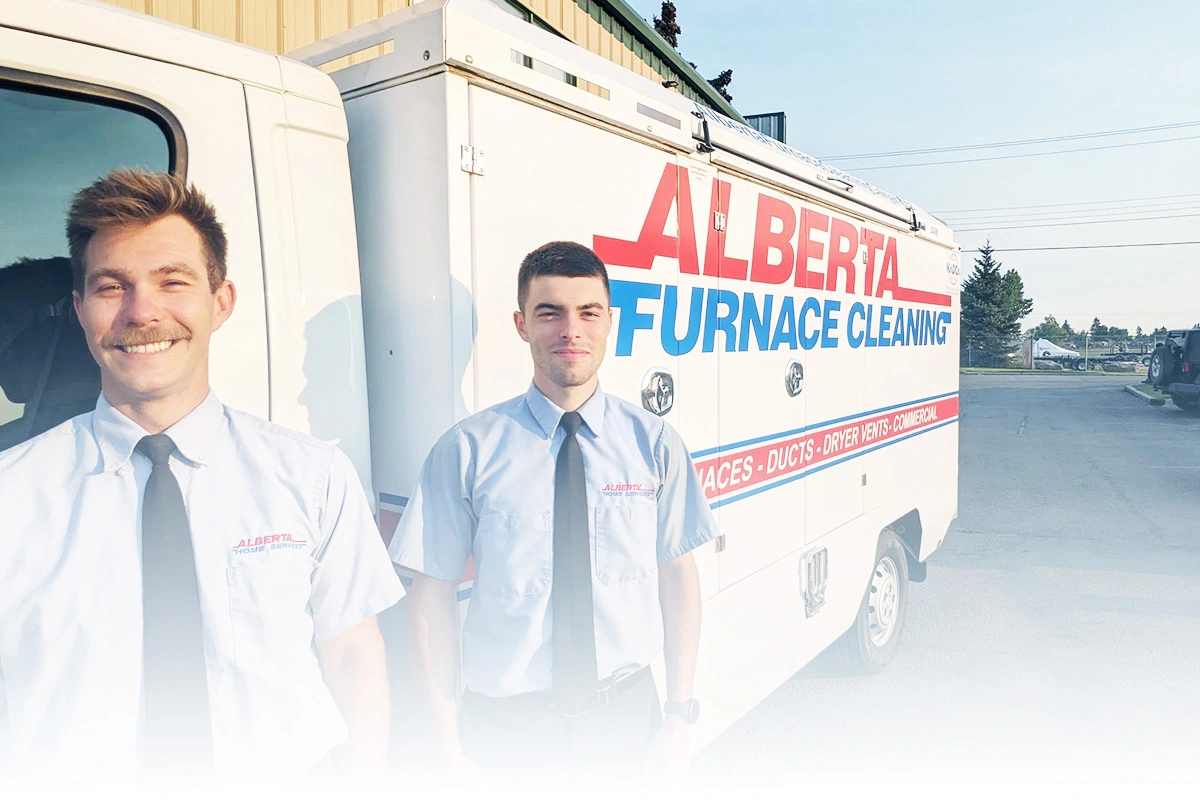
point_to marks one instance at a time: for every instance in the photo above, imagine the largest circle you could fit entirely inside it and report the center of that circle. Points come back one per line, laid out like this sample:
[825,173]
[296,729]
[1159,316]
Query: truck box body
[797,326]
[479,138]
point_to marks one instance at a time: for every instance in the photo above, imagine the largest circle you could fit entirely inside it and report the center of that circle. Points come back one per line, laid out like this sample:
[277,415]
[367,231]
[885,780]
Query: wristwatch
[688,709]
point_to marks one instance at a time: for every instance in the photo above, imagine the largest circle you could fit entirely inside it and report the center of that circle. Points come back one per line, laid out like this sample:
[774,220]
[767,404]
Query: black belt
[610,688]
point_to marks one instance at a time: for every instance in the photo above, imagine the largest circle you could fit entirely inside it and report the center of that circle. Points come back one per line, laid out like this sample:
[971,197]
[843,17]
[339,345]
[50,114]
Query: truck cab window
[54,144]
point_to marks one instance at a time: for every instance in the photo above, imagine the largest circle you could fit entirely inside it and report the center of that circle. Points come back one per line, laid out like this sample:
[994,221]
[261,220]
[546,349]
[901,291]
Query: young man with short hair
[167,562]
[578,586]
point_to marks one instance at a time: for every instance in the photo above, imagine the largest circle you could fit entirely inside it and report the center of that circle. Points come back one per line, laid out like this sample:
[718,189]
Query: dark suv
[1175,368]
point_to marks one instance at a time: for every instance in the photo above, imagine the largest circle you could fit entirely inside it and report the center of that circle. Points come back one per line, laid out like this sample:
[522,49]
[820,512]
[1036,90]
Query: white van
[799,327]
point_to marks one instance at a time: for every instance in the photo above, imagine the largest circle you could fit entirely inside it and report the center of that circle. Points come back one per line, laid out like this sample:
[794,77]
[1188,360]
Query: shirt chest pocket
[268,607]
[626,541]
[514,554]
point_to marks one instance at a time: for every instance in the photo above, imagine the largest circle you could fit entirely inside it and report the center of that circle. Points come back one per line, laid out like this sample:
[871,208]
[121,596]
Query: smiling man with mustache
[187,592]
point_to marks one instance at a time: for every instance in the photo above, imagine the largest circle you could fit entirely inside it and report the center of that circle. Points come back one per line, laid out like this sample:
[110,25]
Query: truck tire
[1187,403]
[1161,367]
[874,637]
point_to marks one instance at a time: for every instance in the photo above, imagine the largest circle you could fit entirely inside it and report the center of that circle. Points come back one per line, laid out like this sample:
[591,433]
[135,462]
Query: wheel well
[908,528]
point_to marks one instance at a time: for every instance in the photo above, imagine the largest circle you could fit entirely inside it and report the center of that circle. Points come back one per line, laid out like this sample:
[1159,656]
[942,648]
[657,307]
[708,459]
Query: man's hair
[140,197]
[565,259]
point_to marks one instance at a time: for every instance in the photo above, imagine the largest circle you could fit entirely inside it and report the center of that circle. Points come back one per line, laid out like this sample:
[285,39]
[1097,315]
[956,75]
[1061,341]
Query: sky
[869,77]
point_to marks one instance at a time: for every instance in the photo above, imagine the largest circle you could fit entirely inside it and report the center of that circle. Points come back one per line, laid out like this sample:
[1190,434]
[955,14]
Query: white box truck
[798,326]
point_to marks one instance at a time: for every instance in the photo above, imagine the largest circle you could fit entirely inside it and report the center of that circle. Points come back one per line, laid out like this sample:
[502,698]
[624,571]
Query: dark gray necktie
[178,732]
[574,633]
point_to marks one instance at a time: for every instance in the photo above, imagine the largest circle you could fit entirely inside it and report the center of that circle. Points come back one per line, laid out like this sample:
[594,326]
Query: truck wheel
[1160,367]
[1186,402]
[875,635]
[1079,365]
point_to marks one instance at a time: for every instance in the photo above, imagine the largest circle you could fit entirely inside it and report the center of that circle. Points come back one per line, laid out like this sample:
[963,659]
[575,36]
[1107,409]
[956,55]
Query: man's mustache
[132,337]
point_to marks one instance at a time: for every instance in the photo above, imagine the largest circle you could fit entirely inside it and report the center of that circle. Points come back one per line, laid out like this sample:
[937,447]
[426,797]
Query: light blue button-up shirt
[487,491]
[286,551]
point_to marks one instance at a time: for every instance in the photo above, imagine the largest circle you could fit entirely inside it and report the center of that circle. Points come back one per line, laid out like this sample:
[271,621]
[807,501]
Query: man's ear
[224,299]
[78,299]
[519,322]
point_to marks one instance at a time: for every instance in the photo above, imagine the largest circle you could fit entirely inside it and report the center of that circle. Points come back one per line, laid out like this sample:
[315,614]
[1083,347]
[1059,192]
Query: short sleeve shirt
[286,551]
[486,492]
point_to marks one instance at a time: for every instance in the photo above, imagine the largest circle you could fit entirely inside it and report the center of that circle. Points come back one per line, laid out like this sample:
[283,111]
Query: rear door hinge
[718,221]
[471,160]
[720,540]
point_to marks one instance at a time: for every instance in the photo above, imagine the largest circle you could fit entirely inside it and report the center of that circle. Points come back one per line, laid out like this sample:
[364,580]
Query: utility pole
[1087,336]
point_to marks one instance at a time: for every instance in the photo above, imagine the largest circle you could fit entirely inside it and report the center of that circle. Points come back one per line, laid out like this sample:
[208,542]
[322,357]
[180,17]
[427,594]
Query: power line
[1172,205]
[1068,215]
[1116,211]
[1060,205]
[1014,143]
[1084,247]
[1024,155]
[1065,224]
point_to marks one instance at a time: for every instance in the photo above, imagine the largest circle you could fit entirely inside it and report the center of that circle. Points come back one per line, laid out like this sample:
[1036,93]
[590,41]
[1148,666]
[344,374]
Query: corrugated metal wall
[279,26]
[569,18]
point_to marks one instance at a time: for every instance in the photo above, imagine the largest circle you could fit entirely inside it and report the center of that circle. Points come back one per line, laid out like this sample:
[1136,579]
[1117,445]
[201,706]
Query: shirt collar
[194,434]
[548,414]
[117,435]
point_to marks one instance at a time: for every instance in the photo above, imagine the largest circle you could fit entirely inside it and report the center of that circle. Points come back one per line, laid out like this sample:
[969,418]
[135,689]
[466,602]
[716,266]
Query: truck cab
[86,88]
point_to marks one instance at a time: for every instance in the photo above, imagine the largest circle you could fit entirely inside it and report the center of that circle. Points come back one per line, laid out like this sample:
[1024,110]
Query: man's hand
[448,760]
[669,750]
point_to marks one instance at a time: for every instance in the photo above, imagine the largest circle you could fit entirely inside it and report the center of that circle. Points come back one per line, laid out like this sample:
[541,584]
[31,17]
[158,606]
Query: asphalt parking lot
[1056,641]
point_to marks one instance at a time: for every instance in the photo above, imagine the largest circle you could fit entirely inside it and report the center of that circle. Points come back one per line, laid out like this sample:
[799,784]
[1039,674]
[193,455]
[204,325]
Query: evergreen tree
[667,26]
[992,307]
[1016,303]
[1067,329]
[721,84]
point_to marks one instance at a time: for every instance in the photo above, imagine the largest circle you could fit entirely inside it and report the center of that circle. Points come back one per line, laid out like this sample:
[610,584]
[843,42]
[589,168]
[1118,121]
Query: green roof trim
[661,57]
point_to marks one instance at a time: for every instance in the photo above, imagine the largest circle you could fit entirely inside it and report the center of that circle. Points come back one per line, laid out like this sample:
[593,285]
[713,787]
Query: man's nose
[141,307]
[572,327]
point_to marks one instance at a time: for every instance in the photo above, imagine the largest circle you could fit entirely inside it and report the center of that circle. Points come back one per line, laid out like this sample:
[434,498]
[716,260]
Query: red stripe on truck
[734,472]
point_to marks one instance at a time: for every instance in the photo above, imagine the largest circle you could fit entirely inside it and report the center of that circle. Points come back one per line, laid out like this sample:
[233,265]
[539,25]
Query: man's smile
[154,347]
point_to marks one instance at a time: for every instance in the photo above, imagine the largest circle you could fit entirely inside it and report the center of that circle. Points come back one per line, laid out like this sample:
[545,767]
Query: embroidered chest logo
[278,541]
[626,490]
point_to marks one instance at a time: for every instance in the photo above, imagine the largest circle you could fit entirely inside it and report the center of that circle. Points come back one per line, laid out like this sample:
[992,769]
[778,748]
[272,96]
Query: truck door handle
[658,391]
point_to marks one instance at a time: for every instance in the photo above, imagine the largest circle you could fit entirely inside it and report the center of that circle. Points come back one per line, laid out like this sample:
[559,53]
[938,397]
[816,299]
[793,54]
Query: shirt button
[120,472]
